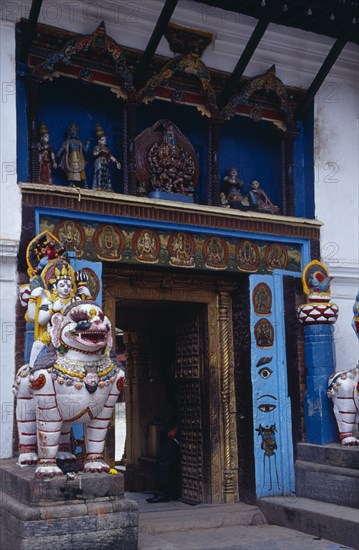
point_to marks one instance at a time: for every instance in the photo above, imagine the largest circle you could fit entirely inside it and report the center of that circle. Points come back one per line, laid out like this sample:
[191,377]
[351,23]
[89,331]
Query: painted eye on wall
[265,372]
[266,407]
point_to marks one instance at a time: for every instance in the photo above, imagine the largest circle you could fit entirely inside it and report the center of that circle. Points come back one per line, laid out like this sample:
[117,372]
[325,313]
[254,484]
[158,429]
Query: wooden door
[188,375]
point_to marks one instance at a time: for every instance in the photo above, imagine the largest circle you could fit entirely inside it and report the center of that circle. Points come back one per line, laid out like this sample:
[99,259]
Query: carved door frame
[218,378]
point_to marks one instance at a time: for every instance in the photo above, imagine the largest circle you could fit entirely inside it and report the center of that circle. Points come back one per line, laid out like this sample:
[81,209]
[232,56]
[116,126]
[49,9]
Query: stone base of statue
[79,510]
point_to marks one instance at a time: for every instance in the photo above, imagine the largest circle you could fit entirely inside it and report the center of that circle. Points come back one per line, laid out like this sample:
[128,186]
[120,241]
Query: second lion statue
[75,381]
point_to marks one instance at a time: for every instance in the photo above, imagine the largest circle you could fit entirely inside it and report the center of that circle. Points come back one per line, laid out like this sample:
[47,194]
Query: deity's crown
[43,129]
[99,131]
[62,271]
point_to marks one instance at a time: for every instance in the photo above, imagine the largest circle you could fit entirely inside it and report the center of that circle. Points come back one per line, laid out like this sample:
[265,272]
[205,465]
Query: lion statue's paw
[350,441]
[66,455]
[98,465]
[46,469]
[26,459]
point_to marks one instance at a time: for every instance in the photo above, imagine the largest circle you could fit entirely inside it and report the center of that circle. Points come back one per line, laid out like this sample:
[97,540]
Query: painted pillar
[272,422]
[318,316]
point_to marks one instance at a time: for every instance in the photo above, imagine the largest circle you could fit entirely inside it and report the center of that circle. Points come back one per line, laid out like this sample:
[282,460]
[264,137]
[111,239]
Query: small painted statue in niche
[103,158]
[233,186]
[46,156]
[73,161]
[257,199]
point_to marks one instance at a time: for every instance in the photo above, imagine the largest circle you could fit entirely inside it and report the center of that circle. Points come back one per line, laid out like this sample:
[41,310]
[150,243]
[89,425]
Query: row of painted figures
[72,158]
[72,162]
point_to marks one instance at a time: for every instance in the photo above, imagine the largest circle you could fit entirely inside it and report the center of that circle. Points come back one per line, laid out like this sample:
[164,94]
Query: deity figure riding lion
[72,375]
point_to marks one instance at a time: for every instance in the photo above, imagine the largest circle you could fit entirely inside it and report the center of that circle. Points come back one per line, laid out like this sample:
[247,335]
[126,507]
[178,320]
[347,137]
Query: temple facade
[193,160]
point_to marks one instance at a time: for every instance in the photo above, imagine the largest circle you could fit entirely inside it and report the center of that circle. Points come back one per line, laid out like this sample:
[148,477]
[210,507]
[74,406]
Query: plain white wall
[10,225]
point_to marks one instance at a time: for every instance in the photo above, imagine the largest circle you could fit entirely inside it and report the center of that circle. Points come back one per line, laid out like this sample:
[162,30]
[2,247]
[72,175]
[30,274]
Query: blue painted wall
[254,149]
[304,168]
[68,101]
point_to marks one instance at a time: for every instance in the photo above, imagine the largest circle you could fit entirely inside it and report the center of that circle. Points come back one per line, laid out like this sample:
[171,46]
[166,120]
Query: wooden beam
[30,28]
[322,73]
[156,36]
[243,61]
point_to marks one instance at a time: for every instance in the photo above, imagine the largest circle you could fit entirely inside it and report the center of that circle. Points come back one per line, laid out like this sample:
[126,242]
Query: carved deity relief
[166,160]
[264,334]
[276,256]
[247,256]
[72,235]
[262,299]
[215,252]
[181,248]
[146,246]
[109,242]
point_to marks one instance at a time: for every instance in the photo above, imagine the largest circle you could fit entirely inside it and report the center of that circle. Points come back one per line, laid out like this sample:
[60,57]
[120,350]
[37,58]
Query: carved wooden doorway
[183,321]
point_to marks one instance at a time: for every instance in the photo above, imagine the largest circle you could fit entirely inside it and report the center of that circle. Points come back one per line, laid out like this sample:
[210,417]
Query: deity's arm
[52,155]
[84,293]
[45,311]
[34,302]
[62,148]
[117,162]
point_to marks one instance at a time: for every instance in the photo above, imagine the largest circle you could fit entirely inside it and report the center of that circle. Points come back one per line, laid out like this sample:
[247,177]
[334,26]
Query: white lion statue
[343,389]
[75,381]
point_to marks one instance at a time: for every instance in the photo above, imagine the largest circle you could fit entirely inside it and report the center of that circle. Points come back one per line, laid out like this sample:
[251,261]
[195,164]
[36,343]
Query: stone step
[157,520]
[327,483]
[334,455]
[321,519]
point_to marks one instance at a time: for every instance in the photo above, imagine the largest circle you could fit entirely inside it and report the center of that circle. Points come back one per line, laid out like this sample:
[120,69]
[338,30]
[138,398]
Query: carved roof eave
[102,44]
[202,97]
[270,83]
[189,64]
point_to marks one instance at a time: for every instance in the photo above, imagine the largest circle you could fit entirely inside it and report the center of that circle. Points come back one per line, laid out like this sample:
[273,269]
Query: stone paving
[178,526]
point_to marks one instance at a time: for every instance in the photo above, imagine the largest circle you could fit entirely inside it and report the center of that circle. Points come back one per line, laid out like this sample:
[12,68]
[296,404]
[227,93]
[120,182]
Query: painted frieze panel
[92,240]
[109,243]
[71,234]
[273,446]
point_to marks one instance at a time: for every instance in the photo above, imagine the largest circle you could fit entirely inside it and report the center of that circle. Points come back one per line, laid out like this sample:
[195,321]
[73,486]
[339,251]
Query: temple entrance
[165,354]
[177,331]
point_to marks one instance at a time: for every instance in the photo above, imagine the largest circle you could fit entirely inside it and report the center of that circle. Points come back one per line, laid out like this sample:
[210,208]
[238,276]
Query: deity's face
[74,133]
[233,172]
[63,288]
[102,140]
[45,138]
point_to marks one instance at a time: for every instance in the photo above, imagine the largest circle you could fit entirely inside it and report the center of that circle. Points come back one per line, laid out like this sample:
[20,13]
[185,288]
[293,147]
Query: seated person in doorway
[168,468]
